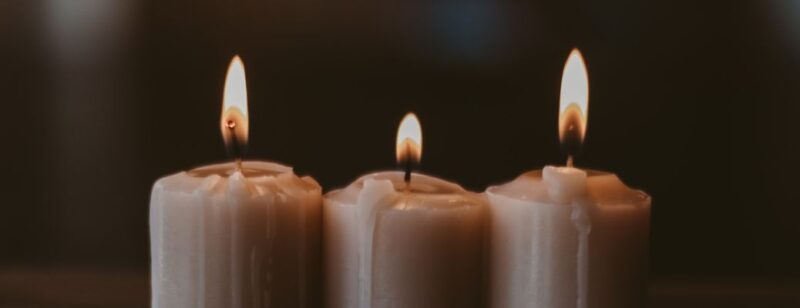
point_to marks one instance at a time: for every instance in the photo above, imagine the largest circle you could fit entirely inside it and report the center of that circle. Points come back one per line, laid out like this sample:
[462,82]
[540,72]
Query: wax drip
[370,202]
[583,224]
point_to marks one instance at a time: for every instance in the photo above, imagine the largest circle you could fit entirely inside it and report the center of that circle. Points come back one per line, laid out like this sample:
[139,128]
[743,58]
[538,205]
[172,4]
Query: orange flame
[409,139]
[574,102]
[234,121]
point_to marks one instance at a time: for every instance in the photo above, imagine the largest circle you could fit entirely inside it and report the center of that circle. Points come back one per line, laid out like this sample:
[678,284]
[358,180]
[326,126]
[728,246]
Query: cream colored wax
[389,246]
[227,238]
[564,237]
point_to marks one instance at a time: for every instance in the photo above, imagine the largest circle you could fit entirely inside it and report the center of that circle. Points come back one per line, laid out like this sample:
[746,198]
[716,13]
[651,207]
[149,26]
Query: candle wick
[569,161]
[407,177]
[235,148]
[408,164]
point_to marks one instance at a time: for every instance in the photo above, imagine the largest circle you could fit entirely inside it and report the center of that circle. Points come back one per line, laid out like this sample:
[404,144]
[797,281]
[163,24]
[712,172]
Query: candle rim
[250,169]
[349,195]
[634,197]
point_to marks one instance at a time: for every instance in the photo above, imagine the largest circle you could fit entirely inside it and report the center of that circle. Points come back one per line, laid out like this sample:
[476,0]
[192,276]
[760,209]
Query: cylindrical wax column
[386,245]
[566,237]
[222,237]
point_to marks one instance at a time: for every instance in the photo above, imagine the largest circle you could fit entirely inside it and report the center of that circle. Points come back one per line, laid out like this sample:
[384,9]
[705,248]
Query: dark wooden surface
[68,288]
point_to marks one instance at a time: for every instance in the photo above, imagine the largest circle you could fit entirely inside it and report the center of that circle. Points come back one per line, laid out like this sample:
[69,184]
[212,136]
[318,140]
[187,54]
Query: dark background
[695,103]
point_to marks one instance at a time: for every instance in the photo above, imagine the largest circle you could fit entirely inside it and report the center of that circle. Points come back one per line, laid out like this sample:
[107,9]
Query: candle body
[568,238]
[388,248]
[223,238]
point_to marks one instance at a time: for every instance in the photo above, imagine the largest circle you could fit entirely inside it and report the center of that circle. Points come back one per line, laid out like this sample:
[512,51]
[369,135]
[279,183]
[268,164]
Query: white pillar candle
[222,237]
[387,247]
[391,244]
[564,237]
[235,235]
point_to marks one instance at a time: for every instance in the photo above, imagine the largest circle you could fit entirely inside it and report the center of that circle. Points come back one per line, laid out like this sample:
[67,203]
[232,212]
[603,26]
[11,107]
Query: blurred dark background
[694,102]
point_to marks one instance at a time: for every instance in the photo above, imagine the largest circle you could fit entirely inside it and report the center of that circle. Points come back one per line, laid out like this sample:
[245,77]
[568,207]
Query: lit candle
[402,239]
[567,237]
[243,234]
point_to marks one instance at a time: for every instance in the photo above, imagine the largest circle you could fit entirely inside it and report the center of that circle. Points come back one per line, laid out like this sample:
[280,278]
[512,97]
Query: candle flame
[409,140]
[574,103]
[234,121]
